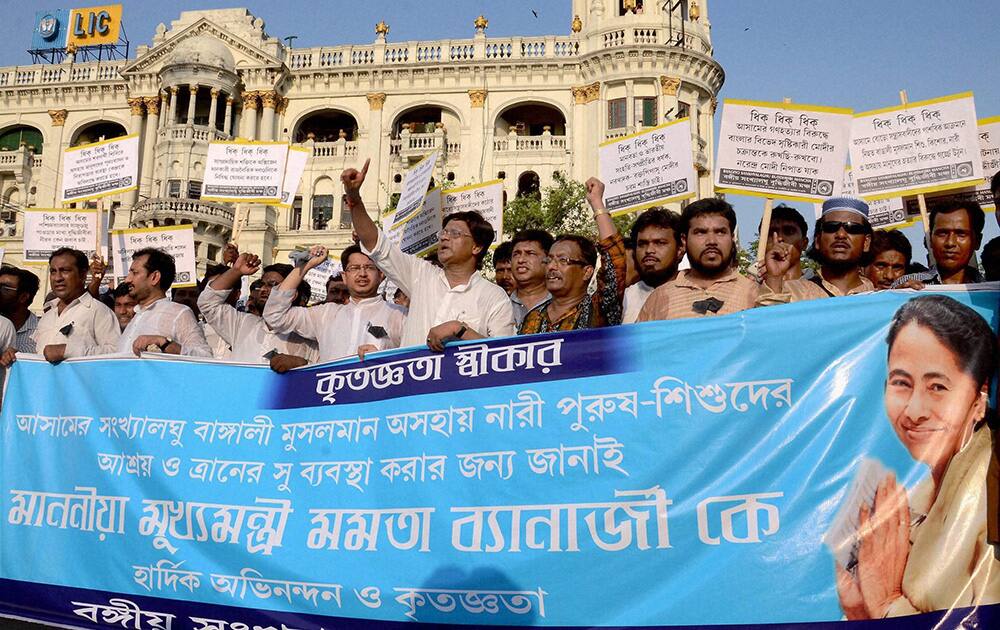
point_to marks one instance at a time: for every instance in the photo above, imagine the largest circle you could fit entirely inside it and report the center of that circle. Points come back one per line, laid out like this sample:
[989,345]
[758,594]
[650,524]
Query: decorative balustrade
[191,209]
[339,148]
[544,142]
[47,74]
[192,132]
[19,158]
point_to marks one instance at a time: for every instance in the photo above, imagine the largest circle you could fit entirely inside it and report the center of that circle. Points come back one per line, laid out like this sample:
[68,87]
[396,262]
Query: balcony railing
[44,74]
[339,148]
[160,208]
[544,142]
[192,132]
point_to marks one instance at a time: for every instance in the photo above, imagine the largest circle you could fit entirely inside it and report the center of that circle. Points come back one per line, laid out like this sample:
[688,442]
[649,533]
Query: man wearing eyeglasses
[249,338]
[570,265]
[840,244]
[712,286]
[447,303]
[366,323]
[17,291]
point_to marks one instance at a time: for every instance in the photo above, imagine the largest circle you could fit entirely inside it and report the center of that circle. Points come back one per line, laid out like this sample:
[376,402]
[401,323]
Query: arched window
[11,139]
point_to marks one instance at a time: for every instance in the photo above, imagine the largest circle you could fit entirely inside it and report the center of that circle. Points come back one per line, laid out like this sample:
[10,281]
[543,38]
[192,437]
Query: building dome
[203,50]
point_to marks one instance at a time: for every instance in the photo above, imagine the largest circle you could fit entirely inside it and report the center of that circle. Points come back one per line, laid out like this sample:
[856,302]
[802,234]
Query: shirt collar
[84,298]
[365,301]
[474,279]
[683,281]
[139,308]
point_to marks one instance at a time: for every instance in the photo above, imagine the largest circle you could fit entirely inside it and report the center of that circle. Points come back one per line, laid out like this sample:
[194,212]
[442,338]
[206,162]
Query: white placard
[108,167]
[250,172]
[989,146]
[48,229]
[176,240]
[414,187]
[485,198]
[782,150]
[295,165]
[318,276]
[648,168]
[920,147]
[417,235]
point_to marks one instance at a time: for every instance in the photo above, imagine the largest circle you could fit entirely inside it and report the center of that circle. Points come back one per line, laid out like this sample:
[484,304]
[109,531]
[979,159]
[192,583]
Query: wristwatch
[163,346]
[461,331]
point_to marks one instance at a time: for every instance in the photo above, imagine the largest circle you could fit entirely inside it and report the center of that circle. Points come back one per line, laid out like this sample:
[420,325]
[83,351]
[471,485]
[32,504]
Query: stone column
[163,107]
[172,118]
[597,117]
[136,109]
[227,123]
[269,100]
[668,96]
[374,139]
[148,145]
[214,109]
[193,90]
[580,131]
[58,117]
[630,121]
[250,115]
[479,136]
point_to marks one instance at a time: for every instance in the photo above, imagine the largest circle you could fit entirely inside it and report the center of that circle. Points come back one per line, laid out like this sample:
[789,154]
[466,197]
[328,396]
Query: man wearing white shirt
[658,251]
[366,323]
[251,340]
[159,324]
[74,324]
[450,302]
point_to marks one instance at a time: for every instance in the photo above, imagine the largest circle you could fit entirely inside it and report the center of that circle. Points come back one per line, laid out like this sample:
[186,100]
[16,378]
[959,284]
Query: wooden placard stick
[765,221]
[100,221]
[921,201]
[238,224]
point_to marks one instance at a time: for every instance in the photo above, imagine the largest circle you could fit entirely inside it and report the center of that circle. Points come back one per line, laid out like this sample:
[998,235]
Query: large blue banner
[747,469]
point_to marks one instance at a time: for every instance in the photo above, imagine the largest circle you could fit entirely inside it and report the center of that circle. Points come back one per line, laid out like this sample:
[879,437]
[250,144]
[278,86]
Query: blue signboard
[50,29]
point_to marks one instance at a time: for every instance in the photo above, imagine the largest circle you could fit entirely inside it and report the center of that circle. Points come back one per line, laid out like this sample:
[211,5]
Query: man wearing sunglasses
[840,244]
[447,303]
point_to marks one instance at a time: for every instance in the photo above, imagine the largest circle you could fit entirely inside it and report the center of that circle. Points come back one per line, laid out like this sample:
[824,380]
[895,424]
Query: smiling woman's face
[931,402]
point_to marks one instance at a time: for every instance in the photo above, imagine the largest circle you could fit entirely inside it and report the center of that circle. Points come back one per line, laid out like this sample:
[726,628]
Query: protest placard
[417,234]
[295,165]
[48,229]
[916,148]
[99,169]
[318,276]
[176,240]
[485,198]
[648,168]
[782,150]
[244,171]
[882,213]
[989,146]
[414,187]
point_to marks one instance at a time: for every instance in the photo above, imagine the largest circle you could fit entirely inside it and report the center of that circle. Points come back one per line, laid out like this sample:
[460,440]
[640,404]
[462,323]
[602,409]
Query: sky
[845,53]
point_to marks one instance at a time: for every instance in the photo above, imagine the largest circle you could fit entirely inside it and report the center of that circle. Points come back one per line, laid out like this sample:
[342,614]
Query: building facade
[516,108]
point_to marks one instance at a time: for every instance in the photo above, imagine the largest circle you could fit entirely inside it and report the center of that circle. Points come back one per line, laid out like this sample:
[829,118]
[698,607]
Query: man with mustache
[840,244]
[890,255]
[529,249]
[569,267]
[955,235]
[657,253]
[449,302]
[711,286]
[76,324]
[502,265]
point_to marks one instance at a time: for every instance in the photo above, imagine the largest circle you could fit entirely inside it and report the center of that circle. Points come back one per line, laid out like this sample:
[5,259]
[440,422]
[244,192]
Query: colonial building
[515,108]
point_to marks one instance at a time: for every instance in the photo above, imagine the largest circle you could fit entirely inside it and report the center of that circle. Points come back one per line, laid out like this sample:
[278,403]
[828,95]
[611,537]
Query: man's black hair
[158,260]
[27,282]
[656,217]
[787,213]
[977,218]
[282,269]
[482,232]
[79,258]
[587,249]
[708,206]
[543,238]
[502,252]
[889,241]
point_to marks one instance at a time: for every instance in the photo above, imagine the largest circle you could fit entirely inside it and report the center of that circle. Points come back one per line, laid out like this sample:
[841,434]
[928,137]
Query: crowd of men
[543,283]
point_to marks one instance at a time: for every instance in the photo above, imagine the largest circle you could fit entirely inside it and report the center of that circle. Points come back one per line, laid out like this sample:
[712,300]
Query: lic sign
[89,26]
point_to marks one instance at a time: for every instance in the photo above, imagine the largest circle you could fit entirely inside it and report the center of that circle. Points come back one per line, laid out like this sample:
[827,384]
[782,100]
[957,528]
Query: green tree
[561,209]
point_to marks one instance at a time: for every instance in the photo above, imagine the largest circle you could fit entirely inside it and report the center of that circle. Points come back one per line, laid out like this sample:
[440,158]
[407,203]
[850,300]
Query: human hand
[317,254]
[365,349]
[595,193]
[352,179]
[246,264]
[885,547]
[97,266]
[8,357]
[913,283]
[778,258]
[54,353]
[438,336]
[849,594]
[142,342]
[281,363]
